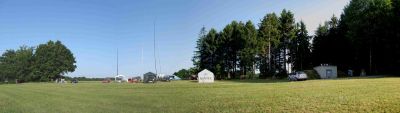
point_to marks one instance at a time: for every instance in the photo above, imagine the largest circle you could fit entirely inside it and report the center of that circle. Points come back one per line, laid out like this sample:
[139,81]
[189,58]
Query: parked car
[297,76]
[74,81]
[106,80]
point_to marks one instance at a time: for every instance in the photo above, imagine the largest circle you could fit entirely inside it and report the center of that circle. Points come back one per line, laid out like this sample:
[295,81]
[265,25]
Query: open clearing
[342,95]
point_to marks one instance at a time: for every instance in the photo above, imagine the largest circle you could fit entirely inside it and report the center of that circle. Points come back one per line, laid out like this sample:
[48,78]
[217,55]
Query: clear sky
[94,29]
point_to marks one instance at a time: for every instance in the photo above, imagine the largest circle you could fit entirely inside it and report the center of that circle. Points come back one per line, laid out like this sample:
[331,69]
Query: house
[205,76]
[326,71]
[149,77]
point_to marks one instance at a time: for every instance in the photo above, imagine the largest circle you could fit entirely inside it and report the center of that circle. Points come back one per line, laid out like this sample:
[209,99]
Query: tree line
[185,74]
[240,48]
[365,37]
[42,63]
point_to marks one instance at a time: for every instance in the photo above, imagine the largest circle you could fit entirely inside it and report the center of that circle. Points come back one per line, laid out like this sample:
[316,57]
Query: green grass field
[342,95]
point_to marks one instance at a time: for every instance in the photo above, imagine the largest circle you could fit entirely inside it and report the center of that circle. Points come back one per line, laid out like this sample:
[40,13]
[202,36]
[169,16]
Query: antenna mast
[155,58]
[117,62]
[141,57]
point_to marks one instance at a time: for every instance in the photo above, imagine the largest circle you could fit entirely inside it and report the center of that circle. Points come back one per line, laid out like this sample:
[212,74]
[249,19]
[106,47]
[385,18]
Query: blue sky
[94,29]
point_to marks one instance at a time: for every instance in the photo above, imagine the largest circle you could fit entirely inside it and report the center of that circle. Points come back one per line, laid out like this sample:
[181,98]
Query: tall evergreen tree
[269,37]
[319,46]
[287,29]
[226,49]
[197,58]
[300,54]
[368,23]
[249,49]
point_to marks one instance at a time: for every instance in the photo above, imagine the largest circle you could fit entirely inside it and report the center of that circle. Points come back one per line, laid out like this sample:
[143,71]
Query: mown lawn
[342,95]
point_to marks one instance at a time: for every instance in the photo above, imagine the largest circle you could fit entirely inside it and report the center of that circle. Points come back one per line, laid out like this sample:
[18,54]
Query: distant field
[344,95]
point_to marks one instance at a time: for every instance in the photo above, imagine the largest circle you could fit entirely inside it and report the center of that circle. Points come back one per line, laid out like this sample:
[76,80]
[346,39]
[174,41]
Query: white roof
[205,72]
[205,76]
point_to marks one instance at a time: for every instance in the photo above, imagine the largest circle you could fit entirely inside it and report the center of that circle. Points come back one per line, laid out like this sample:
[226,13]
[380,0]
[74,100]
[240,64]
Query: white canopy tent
[205,76]
[121,78]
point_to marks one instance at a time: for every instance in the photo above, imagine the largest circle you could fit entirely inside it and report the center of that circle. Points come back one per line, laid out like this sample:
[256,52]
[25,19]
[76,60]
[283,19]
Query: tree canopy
[240,48]
[43,63]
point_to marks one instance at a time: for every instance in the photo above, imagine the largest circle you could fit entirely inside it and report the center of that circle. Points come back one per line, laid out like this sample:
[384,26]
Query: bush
[341,74]
[312,74]
[282,74]
[251,75]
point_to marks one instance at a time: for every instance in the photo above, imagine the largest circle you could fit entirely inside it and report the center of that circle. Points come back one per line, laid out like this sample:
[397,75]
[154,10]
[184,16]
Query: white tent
[121,78]
[205,76]
[176,77]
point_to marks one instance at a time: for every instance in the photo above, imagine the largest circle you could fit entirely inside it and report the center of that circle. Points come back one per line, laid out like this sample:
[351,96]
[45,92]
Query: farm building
[326,71]
[149,77]
[205,76]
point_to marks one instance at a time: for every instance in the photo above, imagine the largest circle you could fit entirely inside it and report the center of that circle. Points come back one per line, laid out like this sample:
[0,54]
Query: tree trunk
[284,57]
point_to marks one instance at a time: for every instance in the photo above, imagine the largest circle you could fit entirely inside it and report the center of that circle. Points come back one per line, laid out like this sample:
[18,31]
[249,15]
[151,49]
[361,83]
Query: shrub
[341,74]
[312,74]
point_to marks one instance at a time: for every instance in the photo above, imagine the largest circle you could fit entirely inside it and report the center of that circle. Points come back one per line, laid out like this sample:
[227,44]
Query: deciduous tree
[52,60]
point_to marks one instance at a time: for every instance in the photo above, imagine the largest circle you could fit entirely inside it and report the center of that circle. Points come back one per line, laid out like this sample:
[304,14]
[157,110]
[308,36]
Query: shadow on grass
[258,80]
[249,81]
[285,80]
[363,77]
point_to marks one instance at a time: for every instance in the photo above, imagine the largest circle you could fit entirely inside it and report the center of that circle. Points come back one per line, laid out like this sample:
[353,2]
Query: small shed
[149,77]
[326,71]
[205,76]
